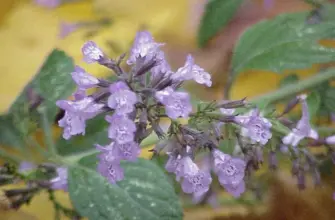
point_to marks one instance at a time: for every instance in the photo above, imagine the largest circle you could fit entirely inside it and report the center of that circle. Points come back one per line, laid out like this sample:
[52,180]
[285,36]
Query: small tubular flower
[92,53]
[121,129]
[192,71]
[303,128]
[83,79]
[60,181]
[123,101]
[76,114]
[255,127]
[144,48]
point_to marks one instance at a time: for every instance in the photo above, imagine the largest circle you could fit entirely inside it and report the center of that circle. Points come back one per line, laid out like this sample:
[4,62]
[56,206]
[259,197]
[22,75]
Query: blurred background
[30,29]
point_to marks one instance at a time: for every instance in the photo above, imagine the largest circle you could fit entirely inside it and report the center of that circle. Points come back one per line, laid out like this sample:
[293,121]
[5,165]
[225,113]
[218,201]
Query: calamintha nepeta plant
[137,102]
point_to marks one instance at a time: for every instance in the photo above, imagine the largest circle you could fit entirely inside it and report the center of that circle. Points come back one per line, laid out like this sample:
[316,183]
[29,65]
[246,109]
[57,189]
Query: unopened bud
[273,162]
[232,104]
[290,105]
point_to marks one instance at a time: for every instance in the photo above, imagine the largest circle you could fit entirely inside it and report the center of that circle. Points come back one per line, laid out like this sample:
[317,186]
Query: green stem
[301,86]
[48,133]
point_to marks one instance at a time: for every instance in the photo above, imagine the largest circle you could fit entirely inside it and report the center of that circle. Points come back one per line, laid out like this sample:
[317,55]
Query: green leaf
[145,193]
[9,134]
[329,99]
[217,14]
[313,101]
[285,42]
[52,82]
[289,80]
[96,133]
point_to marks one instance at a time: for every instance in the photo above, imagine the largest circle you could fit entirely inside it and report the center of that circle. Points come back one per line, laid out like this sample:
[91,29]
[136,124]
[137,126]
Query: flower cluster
[135,104]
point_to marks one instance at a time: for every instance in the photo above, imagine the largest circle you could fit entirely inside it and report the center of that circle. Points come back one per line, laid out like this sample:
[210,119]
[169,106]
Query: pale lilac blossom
[177,104]
[111,170]
[163,94]
[60,181]
[92,53]
[121,128]
[330,140]
[229,170]
[255,127]
[83,79]
[235,190]
[144,49]
[76,114]
[303,128]
[192,71]
[123,101]
[196,181]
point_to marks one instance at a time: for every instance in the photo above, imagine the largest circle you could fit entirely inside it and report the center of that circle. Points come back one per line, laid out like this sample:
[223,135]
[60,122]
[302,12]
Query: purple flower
[144,48]
[48,3]
[163,94]
[196,181]
[201,76]
[162,68]
[255,127]
[117,86]
[67,28]
[229,170]
[123,101]
[76,114]
[92,53]
[114,151]
[79,94]
[177,104]
[107,153]
[26,166]
[192,71]
[330,140]
[303,128]
[235,190]
[185,72]
[83,79]
[111,170]
[172,163]
[121,129]
[60,181]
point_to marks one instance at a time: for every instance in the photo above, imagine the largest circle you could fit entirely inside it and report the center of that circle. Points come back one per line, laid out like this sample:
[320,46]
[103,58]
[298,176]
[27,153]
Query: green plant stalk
[290,90]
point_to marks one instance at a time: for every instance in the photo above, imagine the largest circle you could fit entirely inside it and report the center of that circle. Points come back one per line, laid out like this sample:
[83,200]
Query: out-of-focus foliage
[217,14]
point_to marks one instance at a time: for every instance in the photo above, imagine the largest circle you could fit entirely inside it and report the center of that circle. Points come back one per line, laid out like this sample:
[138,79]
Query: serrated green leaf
[217,14]
[52,82]
[313,101]
[285,42]
[288,80]
[145,193]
